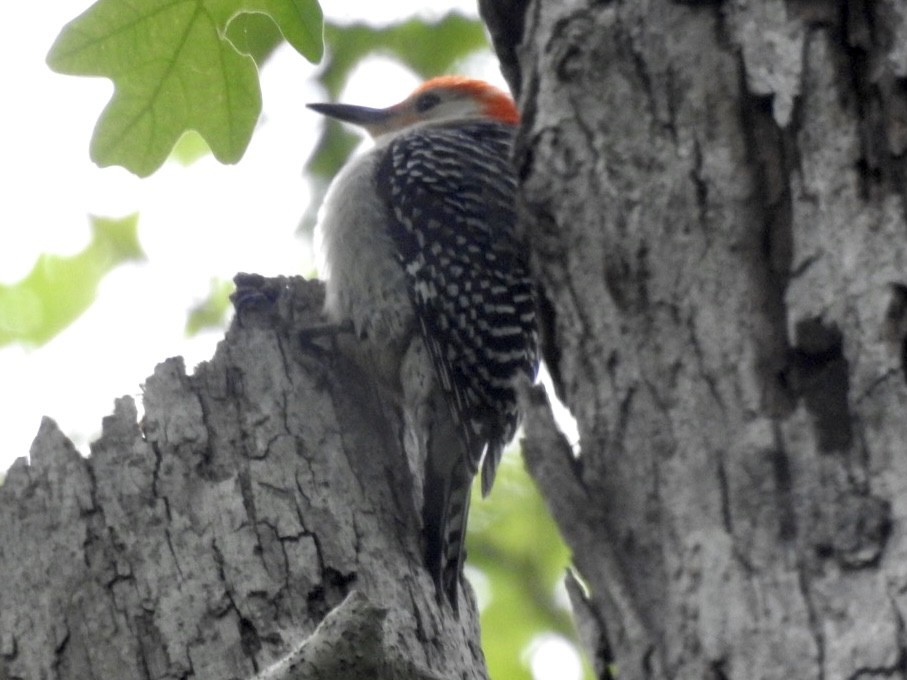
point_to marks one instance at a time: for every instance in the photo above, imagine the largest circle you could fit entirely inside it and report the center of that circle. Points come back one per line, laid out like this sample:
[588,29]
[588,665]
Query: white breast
[365,282]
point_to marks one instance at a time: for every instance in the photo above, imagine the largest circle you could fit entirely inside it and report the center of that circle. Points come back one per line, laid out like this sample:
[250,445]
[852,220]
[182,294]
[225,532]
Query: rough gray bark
[715,195]
[212,538]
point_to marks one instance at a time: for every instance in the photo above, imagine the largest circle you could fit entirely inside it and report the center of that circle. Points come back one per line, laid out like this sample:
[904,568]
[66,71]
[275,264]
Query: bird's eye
[427,101]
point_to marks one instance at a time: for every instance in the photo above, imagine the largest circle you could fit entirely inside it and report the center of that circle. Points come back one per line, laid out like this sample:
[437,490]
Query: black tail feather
[446,494]
[445,511]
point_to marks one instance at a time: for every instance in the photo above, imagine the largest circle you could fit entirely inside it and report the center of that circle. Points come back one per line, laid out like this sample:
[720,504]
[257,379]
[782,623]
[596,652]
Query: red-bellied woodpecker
[422,259]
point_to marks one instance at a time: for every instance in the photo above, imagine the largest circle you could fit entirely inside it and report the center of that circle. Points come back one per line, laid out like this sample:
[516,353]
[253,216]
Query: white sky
[195,223]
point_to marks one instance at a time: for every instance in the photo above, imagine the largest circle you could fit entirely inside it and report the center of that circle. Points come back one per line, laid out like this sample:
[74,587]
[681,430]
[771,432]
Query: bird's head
[440,99]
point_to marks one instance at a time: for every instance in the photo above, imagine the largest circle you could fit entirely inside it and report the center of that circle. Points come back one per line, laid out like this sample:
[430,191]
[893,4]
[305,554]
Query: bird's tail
[446,494]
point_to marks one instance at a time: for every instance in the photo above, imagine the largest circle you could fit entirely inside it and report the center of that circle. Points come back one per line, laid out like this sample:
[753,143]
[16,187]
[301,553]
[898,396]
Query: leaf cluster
[192,65]
[59,288]
[175,69]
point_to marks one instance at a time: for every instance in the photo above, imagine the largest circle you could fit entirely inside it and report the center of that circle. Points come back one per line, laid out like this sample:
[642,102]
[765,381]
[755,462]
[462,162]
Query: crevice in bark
[879,98]
[549,347]
[726,517]
[700,185]
[248,498]
[156,480]
[704,373]
[591,627]
[894,325]
[814,621]
[767,148]
[718,670]
[783,487]
[251,644]
[821,376]
[901,637]
[151,650]
[168,537]
[506,21]
[640,68]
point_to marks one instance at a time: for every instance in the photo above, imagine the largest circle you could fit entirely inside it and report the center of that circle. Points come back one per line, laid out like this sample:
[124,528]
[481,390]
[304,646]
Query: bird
[424,263]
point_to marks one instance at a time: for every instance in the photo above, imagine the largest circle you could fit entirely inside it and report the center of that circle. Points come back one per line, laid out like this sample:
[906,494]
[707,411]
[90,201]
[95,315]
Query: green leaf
[174,70]
[515,543]
[59,288]
[212,311]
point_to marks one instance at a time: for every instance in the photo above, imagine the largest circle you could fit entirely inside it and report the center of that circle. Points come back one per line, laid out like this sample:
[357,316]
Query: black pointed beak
[349,113]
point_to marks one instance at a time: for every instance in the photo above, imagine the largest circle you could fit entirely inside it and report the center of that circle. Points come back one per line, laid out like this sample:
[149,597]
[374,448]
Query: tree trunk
[715,198]
[262,509]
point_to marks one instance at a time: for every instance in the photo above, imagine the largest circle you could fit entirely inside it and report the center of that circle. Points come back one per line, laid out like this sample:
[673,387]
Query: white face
[443,103]
[432,105]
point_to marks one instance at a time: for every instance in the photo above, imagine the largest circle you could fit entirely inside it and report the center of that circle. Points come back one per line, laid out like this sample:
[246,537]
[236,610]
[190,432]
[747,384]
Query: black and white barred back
[450,189]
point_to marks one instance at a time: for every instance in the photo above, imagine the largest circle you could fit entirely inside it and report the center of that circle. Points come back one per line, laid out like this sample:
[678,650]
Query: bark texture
[212,538]
[715,197]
